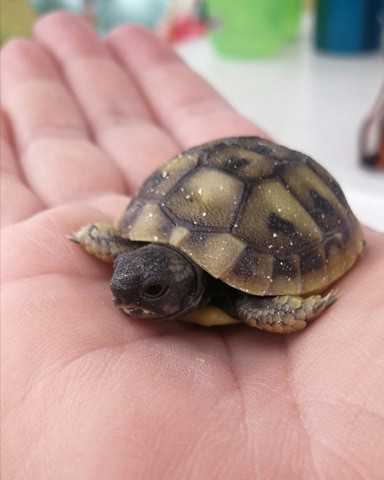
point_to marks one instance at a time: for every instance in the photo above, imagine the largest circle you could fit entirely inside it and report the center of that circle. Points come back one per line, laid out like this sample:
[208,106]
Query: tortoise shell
[264,219]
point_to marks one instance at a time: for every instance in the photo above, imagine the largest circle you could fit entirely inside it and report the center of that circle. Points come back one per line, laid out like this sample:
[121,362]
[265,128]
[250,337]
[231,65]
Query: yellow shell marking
[209,317]
[216,253]
[151,225]
[209,197]
[170,174]
[178,235]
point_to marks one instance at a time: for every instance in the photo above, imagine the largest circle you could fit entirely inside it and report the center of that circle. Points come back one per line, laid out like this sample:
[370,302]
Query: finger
[16,198]
[44,243]
[57,157]
[184,103]
[9,163]
[117,112]
[45,247]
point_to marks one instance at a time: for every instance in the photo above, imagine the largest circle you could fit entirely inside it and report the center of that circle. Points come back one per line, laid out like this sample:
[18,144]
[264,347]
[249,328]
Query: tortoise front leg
[281,314]
[102,240]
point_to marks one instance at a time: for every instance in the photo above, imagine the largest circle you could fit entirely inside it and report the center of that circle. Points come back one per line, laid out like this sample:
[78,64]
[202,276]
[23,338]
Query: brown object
[372,136]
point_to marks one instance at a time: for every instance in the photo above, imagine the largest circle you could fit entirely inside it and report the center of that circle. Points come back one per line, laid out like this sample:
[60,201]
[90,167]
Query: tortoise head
[156,281]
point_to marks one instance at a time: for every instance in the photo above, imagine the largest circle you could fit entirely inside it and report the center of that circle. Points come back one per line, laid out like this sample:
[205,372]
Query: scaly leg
[102,240]
[281,314]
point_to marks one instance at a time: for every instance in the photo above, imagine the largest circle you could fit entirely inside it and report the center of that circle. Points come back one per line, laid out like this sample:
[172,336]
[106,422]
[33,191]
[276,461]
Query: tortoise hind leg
[102,240]
[281,314]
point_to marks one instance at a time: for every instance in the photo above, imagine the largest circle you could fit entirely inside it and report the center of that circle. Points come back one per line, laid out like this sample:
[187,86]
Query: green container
[293,14]
[248,28]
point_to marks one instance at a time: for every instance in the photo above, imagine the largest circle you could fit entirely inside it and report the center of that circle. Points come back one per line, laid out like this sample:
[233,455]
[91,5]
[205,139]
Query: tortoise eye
[155,290]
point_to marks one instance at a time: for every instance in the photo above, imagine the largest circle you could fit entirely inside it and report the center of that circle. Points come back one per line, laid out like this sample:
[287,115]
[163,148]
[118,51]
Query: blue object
[111,13]
[44,6]
[349,26]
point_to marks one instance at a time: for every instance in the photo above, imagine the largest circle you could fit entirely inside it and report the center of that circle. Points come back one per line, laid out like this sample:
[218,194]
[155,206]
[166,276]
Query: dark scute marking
[204,151]
[231,163]
[199,237]
[203,157]
[246,265]
[253,144]
[328,180]
[262,150]
[291,239]
[282,166]
[322,204]
[131,213]
[257,145]
[296,156]
[279,225]
[150,185]
[336,189]
[284,267]
[166,226]
[311,261]
[235,163]
[241,141]
[326,215]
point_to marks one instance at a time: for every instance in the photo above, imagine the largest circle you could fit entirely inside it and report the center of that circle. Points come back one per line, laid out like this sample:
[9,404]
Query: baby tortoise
[238,230]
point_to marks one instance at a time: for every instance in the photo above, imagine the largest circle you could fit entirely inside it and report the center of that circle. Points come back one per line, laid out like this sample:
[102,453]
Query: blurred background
[311,73]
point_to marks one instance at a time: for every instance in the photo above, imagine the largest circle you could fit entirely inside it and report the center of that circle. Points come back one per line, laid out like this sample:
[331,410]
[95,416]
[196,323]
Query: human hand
[92,394]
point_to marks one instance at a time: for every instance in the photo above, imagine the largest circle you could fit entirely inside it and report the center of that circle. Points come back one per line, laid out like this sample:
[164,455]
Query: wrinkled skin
[89,393]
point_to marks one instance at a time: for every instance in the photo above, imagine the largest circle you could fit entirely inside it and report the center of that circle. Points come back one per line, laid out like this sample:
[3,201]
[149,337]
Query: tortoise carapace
[238,230]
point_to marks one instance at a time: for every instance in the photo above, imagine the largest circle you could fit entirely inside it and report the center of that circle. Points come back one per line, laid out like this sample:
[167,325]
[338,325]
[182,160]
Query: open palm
[92,394]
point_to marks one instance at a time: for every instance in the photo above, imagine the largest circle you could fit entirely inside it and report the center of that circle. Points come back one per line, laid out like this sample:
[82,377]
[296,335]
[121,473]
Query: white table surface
[308,101]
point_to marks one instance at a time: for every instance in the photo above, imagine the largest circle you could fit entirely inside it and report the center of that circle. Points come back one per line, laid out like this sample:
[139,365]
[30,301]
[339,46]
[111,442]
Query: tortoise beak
[116,301]
[138,312]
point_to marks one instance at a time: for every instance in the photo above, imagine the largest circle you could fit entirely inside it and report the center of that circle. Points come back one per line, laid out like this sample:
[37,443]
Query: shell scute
[207,198]
[164,179]
[214,252]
